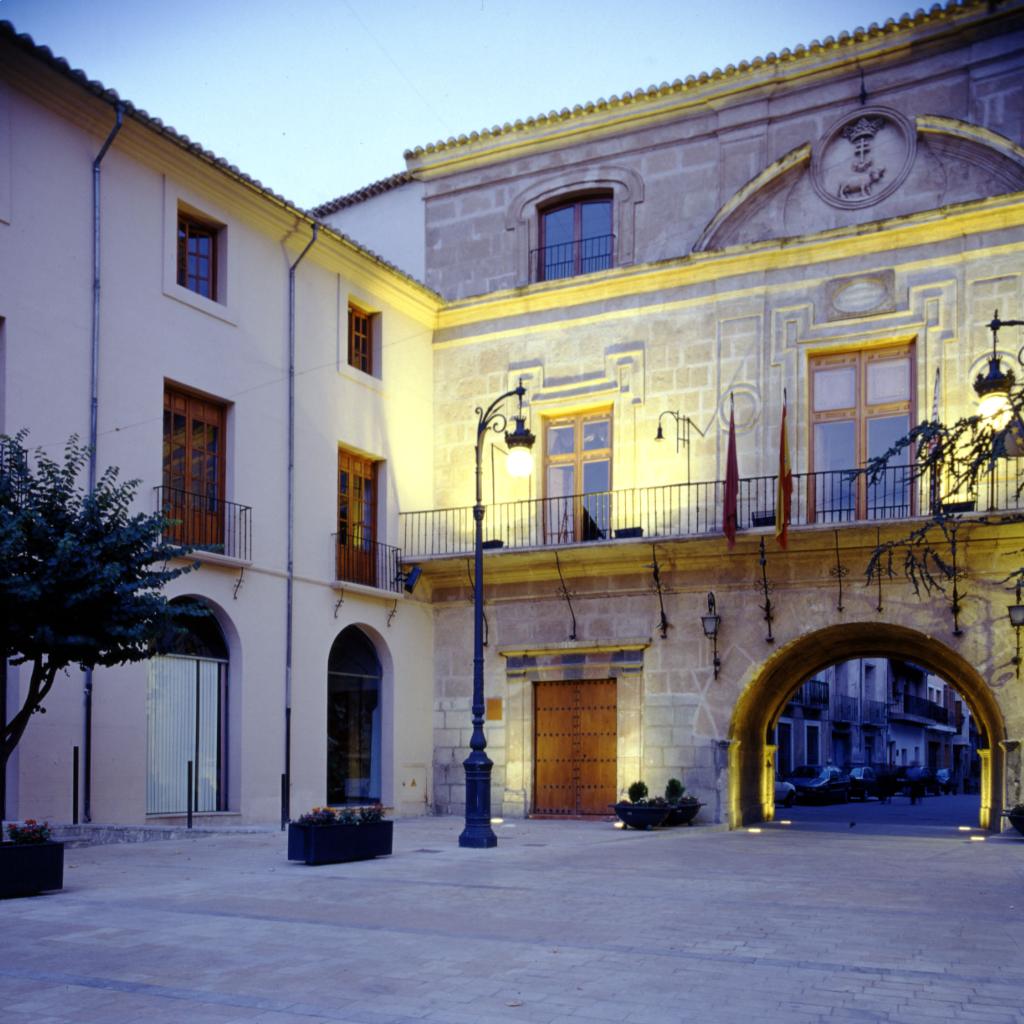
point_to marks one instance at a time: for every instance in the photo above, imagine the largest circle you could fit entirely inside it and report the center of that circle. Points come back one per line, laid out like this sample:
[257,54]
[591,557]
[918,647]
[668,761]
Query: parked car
[822,784]
[863,783]
[785,793]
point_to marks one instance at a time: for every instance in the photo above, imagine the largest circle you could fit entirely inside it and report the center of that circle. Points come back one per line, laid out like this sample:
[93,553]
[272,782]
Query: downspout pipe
[290,579]
[94,402]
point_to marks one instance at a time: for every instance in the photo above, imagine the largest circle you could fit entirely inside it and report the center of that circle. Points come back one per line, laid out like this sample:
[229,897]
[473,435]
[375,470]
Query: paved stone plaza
[564,921]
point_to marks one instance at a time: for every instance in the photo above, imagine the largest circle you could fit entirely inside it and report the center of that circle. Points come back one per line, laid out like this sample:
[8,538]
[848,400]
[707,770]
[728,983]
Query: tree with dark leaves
[81,576]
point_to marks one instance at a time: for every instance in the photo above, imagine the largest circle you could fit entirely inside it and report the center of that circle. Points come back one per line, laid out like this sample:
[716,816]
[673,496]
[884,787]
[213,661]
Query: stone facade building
[826,231]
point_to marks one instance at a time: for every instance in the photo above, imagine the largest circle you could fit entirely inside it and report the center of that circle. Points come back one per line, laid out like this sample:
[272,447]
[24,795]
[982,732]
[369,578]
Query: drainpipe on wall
[290,585]
[94,402]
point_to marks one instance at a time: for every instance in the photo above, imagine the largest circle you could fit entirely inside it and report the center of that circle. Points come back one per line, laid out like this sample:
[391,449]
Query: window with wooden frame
[193,467]
[362,337]
[861,403]
[575,238]
[357,560]
[578,477]
[197,255]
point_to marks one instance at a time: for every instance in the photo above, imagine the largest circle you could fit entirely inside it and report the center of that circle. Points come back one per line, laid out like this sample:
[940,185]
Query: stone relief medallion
[863,157]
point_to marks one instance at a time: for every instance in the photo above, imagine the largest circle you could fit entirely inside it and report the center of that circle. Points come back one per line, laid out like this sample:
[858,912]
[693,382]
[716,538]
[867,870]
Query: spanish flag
[784,491]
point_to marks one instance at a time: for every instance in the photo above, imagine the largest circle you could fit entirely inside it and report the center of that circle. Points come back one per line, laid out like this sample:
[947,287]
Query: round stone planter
[641,816]
[1017,821]
[682,814]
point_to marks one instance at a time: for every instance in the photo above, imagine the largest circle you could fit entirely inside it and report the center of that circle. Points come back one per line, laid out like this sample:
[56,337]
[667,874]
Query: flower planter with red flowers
[30,863]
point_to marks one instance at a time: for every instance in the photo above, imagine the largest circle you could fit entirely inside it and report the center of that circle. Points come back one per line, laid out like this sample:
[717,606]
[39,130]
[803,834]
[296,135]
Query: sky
[316,98]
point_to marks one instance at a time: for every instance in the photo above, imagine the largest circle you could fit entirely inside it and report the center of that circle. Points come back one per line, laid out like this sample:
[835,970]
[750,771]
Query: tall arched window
[353,719]
[186,715]
[575,237]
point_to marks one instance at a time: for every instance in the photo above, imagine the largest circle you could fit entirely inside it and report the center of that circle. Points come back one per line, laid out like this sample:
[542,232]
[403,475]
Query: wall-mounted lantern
[711,622]
[1017,620]
[993,388]
[683,427]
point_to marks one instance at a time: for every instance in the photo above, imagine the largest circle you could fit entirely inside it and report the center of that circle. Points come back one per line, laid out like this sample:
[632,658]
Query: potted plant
[639,811]
[30,862]
[326,836]
[1016,816]
[683,808]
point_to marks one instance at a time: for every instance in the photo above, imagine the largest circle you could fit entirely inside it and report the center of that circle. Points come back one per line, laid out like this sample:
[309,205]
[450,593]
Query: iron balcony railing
[696,509]
[919,707]
[844,709]
[568,259]
[206,522]
[874,712]
[813,694]
[357,559]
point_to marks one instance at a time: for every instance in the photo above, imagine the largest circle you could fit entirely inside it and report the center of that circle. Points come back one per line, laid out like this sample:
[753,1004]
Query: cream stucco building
[829,228]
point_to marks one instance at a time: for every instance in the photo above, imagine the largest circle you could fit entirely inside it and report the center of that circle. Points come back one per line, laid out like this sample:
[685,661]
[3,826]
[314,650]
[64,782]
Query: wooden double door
[575,747]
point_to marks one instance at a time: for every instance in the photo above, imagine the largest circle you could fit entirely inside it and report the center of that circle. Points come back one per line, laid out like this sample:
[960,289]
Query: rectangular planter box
[30,868]
[336,844]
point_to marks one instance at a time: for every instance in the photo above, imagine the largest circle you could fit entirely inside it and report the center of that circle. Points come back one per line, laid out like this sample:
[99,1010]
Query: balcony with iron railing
[570,259]
[916,709]
[874,712]
[206,523]
[357,559]
[830,497]
[812,694]
[844,709]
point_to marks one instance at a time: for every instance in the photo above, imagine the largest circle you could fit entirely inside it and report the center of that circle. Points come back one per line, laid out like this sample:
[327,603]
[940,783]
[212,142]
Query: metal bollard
[190,794]
[74,786]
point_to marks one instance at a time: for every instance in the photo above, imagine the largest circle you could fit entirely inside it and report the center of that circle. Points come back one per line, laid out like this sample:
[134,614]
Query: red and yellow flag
[784,492]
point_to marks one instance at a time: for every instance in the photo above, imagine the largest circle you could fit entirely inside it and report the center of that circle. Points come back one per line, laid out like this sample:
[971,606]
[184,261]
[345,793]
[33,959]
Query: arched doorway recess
[355,710]
[751,755]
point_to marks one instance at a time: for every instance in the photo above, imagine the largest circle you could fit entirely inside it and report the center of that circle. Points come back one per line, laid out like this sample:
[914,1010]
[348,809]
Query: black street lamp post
[478,833]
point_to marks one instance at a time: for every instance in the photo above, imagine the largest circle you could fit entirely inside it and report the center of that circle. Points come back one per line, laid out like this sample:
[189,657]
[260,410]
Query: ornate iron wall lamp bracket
[566,594]
[663,624]
[958,574]
[766,587]
[838,572]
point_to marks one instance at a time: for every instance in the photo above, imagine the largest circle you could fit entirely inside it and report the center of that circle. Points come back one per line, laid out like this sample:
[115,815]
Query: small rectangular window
[197,256]
[363,328]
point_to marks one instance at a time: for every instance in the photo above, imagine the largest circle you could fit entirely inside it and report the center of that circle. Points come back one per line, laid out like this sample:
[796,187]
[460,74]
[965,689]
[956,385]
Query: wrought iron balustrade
[696,509]
[919,707]
[206,522]
[357,559]
[874,712]
[569,259]
[844,709]
[813,694]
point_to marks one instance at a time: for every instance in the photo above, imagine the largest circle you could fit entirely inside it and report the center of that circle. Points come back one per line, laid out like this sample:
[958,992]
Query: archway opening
[354,719]
[753,750]
[879,735]
[187,716]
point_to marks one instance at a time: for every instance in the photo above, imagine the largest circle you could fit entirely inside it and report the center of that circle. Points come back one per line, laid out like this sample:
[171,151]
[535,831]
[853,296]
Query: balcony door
[578,455]
[357,518]
[861,404]
[193,468]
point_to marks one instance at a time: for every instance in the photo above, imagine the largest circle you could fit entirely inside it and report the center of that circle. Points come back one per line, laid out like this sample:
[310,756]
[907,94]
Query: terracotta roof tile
[375,188]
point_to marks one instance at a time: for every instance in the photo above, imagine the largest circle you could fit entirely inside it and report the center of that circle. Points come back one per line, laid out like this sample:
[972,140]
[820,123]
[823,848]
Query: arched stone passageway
[751,756]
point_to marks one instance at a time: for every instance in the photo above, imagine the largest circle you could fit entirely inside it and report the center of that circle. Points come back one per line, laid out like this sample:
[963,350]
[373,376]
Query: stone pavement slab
[562,922]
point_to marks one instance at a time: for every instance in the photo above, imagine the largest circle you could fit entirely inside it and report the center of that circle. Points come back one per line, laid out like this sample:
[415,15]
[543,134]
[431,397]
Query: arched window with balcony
[576,237]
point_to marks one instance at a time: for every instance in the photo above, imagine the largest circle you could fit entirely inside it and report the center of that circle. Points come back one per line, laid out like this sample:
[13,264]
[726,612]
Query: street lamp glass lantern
[520,448]
[711,621]
[1016,614]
